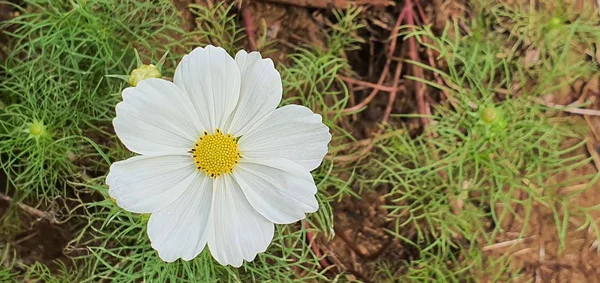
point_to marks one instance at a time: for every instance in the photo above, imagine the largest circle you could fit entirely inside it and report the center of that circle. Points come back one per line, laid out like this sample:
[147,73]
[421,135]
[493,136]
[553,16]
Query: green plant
[485,159]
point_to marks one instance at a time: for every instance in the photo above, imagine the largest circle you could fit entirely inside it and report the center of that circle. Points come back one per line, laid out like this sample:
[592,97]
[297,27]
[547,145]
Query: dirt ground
[360,240]
[538,256]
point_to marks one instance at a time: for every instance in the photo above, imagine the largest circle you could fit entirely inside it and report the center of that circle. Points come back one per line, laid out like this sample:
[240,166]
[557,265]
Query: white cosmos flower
[218,164]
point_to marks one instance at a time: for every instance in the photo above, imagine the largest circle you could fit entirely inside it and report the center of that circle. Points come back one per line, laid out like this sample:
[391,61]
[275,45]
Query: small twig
[376,88]
[506,244]
[326,4]
[352,97]
[32,211]
[421,13]
[249,25]
[423,107]
[581,187]
[574,110]
[522,252]
[594,245]
[370,143]
[430,56]
[368,84]
[353,157]
[336,262]
[591,147]
[392,98]
[351,245]
[386,116]
[386,67]
[28,237]
[417,72]
[314,246]
[538,275]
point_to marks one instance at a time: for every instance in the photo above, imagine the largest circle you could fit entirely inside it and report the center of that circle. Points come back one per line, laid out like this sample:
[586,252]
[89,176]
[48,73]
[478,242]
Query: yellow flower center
[216,154]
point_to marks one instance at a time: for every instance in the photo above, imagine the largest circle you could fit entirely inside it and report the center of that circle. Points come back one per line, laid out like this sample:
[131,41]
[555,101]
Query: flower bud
[488,115]
[144,218]
[144,72]
[36,129]
[555,22]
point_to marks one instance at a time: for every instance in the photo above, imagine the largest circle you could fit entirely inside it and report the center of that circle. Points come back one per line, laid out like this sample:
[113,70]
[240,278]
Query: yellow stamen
[216,154]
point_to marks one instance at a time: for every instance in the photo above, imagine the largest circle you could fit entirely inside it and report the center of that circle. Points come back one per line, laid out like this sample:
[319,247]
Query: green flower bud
[144,72]
[144,218]
[489,114]
[36,130]
[555,22]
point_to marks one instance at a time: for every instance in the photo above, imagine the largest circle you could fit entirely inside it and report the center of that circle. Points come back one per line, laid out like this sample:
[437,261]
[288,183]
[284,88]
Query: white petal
[279,189]
[238,231]
[156,117]
[179,229]
[293,132]
[261,91]
[145,184]
[212,80]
